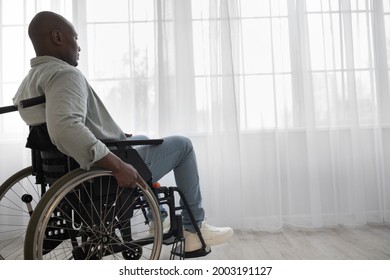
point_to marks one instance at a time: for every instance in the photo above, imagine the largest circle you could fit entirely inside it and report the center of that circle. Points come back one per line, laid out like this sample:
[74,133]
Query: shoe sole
[212,242]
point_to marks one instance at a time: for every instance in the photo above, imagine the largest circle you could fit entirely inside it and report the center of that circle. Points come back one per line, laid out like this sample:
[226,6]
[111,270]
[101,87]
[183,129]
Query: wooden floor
[359,243]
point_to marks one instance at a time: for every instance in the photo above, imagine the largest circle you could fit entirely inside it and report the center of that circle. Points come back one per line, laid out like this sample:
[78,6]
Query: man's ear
[57,37]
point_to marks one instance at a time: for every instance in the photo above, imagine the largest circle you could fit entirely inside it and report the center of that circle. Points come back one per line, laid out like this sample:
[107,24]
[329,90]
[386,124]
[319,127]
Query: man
[76,119]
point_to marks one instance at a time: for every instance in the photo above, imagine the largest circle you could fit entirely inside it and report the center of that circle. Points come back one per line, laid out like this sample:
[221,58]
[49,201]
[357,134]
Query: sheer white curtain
[286,101]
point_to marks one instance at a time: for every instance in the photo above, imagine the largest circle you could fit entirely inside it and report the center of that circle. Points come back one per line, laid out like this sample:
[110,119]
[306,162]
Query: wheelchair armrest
[125,151]
[122,144]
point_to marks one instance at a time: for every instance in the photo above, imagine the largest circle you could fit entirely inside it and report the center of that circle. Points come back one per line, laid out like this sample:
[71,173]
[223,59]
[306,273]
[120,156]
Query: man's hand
[125,174]
[128,177]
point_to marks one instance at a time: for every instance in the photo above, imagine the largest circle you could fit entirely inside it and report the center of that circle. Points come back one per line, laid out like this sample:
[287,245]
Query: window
[121,51]
[293,63]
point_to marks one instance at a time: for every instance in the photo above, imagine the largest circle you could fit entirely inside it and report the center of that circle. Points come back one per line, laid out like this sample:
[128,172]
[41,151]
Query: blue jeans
[176,153]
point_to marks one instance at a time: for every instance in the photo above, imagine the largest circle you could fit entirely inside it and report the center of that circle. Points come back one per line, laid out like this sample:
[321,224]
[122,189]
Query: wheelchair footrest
[198,253]
[178,249]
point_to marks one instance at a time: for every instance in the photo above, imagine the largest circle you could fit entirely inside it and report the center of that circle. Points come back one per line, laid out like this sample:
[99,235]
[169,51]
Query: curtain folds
[317,157]
[286,101]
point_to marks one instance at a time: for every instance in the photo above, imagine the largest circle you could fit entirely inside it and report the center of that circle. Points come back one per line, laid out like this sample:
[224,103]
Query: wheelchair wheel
[85,215]
[19,195]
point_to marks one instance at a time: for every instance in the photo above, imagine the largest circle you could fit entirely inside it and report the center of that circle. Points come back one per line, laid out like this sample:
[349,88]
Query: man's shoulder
[66,72]
[53,66]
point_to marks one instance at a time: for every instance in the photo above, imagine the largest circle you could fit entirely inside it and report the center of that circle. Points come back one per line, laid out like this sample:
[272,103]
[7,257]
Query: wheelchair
[55,210]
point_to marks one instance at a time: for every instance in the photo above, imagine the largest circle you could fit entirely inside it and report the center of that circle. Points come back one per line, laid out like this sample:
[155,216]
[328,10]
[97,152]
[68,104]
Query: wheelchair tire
[84,215]
[17,194]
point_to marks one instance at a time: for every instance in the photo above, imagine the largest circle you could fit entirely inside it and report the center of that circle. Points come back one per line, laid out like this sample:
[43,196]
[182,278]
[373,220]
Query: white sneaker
[211,235]
[166,226]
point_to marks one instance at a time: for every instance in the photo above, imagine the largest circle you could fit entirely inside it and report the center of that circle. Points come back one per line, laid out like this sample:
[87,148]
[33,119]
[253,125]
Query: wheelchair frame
[61,213]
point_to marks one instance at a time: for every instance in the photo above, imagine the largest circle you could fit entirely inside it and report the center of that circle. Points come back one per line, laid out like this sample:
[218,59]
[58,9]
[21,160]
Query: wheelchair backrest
[49,164]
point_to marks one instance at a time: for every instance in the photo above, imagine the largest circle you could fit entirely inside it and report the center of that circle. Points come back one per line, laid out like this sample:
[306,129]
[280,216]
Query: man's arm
[66,110]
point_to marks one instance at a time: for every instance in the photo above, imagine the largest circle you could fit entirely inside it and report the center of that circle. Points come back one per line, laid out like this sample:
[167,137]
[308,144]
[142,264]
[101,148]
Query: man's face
[72,49]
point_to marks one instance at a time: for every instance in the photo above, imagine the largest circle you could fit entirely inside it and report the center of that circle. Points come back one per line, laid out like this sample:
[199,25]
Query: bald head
[52,34]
